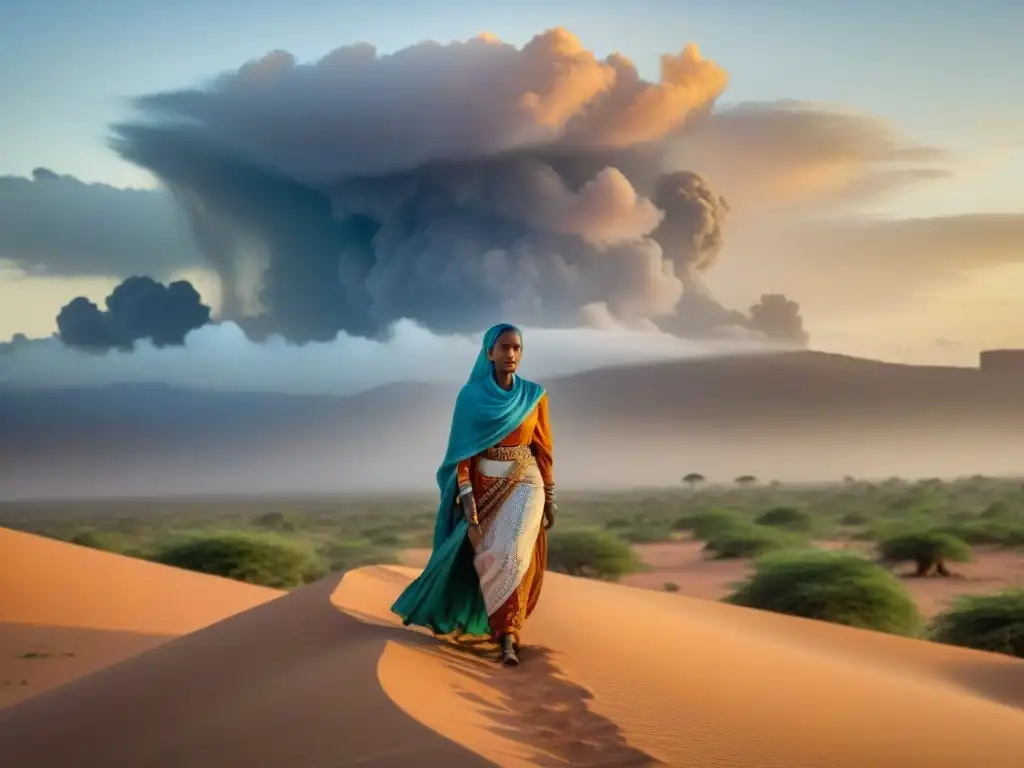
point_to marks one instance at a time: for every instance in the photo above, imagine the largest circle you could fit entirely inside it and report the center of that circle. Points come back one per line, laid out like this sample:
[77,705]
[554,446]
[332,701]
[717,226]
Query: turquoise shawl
[446,597]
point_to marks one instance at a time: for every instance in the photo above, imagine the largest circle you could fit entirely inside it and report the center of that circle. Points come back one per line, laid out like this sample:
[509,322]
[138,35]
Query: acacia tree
[744,480]
[694,479]
[929,551]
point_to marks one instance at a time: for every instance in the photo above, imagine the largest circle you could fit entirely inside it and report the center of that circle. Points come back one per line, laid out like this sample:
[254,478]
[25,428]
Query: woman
[497,501]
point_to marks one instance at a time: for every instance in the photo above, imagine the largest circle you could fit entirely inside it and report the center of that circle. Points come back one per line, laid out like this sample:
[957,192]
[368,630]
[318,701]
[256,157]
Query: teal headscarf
[446,597]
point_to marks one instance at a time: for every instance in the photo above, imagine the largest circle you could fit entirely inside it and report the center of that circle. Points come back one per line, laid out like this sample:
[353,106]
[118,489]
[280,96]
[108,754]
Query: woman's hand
[550,509]
[476,535]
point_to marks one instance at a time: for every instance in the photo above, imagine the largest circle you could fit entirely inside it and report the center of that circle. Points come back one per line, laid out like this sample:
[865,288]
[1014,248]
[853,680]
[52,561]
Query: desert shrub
[961,516]
[646,533]
[707,522]
[984,622]
[108,541]
[1005,533]
[346,554]
[851,519]
[385,534]
[386,539]
[262,560]
[790,518]
[997,510]
[928,550]
[749,540]
[880,530]
[671,586]
[840,587]
[275,521]
[129,525]
[590,552]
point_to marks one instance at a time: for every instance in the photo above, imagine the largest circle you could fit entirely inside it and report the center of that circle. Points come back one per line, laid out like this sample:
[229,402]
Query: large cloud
[758,154]
[454,185]
[542,184]
[58,225]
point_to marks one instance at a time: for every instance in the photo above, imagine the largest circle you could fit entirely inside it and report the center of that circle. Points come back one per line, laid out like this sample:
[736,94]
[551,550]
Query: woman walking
[497,501]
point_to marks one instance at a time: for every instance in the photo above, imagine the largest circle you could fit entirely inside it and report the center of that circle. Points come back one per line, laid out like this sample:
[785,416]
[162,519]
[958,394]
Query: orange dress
[535,432]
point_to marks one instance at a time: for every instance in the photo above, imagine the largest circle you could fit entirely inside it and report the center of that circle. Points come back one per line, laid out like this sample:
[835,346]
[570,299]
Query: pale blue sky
[947,72]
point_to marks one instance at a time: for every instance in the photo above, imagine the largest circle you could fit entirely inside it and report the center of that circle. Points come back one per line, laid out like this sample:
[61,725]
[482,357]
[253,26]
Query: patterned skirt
[510,564]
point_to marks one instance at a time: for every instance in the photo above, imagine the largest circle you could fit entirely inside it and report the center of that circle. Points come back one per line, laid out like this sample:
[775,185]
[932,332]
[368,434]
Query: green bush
[707,522]
[789,518]
[749,540]
[275,521]
[618,523]
[927,550]
[1006,533]
[646,533]
[840,587]
[997,510]
[961,516]
[262,560]
[851,519]
[984,622]
[354,553]
[108,541]
[880,530]
[590,552]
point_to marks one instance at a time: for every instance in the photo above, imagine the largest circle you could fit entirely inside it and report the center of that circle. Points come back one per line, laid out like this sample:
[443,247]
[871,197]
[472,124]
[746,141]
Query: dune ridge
[67,611]
[613,676]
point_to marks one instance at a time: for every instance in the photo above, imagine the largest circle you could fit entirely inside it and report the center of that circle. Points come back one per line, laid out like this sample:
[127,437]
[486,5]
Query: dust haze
[784,416]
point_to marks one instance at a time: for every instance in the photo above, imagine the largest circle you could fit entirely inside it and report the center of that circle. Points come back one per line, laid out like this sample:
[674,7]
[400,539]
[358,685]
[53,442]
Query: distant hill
[805,415]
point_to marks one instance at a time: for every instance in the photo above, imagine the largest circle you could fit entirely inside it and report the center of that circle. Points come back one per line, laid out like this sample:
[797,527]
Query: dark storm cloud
[778,319]
[58,225]
[138,308]
[448,184]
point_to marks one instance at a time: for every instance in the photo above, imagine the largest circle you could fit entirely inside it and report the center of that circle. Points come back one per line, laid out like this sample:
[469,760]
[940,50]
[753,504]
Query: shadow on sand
[992,680]
[291,683]
[535,704]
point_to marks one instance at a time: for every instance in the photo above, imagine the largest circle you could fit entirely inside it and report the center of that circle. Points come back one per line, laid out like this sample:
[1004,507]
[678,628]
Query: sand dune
[614,676]
[66,611]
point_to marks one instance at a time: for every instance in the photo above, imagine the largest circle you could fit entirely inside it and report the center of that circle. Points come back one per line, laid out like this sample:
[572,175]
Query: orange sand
[612,676]
[66,611]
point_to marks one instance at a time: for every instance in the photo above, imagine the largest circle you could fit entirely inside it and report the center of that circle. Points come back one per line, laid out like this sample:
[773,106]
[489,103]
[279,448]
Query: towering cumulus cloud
[451,185]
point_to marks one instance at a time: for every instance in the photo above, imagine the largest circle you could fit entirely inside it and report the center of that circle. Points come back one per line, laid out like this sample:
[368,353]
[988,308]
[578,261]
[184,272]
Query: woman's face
[506,352]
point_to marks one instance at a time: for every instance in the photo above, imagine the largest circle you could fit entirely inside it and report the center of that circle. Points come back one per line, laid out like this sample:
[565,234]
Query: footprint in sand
[554,717]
